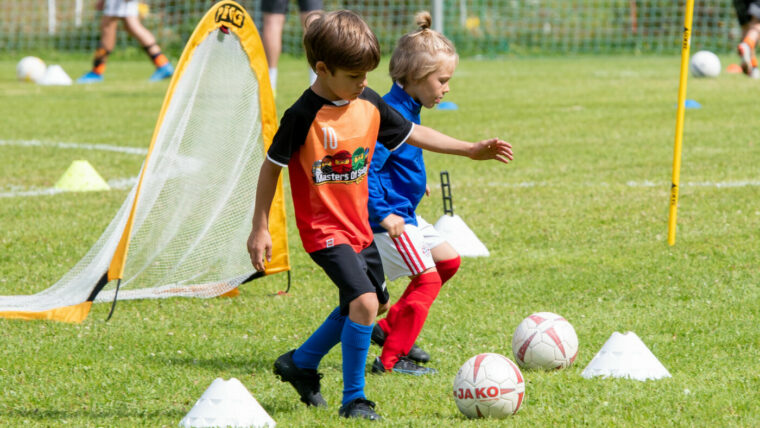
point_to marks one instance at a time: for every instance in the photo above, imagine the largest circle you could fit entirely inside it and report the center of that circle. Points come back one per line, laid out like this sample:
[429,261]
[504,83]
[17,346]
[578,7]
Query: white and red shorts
[408,254]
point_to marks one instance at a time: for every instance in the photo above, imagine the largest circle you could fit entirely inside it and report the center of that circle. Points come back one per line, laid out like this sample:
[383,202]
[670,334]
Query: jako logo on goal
[232,14]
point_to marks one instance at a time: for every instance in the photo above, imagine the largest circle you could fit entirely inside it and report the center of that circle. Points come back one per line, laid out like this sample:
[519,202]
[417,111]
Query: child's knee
[363,309]
[447,268]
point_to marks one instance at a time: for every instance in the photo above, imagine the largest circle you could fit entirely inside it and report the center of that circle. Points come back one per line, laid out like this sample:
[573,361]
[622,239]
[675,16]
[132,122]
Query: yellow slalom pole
[686,44]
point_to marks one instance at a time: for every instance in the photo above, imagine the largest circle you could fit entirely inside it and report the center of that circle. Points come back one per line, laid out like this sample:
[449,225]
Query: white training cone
[227,403]
[625,356]
[456,232]
[81,177]
[54,75]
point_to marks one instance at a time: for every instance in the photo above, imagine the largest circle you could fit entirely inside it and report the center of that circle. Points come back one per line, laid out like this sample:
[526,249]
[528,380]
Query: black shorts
[281,6]
[354,273]
[746,10]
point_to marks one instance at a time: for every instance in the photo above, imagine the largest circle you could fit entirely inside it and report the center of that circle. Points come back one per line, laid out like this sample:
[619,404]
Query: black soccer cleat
[305,381]
[404,365]
[359,408]
[417,354]
[378,335]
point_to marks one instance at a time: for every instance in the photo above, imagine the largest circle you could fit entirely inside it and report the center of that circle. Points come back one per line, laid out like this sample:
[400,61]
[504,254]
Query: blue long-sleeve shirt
[397,179]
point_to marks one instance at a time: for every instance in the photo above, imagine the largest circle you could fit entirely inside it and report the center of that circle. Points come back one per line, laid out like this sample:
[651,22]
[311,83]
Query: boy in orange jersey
[748,13]
[127,11]
[327,139]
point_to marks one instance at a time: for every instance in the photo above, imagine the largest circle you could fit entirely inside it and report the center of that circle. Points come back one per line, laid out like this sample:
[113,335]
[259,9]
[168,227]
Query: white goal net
[196,199]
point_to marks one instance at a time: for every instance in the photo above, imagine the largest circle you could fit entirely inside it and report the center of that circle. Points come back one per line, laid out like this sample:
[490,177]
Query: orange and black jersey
[327,148]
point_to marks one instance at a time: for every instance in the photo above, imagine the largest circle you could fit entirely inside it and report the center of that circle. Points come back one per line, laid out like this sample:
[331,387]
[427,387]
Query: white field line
[645,183]
[76,146]
[116,183]
[718,184]
[128,183]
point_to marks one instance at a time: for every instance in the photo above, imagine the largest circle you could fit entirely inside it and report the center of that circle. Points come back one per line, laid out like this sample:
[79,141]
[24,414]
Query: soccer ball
[545,340]
[704,64]
[489,385]
[30,69]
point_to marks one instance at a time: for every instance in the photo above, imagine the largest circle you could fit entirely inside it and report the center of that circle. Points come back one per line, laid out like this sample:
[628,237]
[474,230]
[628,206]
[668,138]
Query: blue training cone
[447,105]
[690,104]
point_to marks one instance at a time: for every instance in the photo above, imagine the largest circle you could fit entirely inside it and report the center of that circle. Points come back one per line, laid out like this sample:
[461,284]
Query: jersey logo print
[341,166]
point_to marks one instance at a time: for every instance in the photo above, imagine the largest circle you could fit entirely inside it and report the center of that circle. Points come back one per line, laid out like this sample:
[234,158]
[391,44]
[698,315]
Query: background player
[128,12]
[273,15]
[748,14]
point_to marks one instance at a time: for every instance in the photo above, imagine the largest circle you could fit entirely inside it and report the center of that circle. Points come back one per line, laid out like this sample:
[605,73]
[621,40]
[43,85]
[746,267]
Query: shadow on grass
[237,363]
[222,363]
[110,415]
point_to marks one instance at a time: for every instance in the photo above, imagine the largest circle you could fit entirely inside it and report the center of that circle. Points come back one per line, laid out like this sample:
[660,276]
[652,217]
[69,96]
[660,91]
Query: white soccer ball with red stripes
[545,340]
[489,386]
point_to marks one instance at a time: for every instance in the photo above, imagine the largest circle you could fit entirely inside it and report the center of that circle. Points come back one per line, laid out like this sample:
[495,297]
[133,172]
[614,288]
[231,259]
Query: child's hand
[394,225]
[383,308]
[260,248]
[427,190]
[493,148]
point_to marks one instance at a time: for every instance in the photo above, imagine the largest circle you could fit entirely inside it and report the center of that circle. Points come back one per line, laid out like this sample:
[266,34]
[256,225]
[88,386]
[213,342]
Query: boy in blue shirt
[421,66]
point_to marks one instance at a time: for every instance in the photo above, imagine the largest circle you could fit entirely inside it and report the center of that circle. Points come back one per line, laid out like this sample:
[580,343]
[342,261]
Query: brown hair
[419,52]
[340,39]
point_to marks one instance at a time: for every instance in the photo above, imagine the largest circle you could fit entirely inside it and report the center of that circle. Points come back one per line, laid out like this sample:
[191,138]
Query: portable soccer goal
[182,230]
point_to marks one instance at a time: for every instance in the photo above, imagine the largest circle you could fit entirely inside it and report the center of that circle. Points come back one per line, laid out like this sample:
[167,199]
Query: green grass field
[576,225]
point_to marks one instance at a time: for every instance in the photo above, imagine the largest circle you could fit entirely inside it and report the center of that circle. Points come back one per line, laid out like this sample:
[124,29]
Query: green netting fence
[477,27]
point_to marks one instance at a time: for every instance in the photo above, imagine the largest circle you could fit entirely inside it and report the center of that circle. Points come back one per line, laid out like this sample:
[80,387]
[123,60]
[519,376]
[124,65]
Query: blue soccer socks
[355,340]
[308,355]
[355,345]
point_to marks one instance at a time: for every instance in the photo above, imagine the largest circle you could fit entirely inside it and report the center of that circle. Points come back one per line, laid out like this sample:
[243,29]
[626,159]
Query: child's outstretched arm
[430,139]
[260,241]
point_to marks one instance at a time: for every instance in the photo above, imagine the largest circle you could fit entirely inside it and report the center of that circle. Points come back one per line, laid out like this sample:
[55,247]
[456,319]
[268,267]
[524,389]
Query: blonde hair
[420,52]
[340,39]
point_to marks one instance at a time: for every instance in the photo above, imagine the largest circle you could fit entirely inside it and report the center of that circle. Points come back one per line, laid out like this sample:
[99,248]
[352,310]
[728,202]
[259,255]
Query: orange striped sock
[99,63]
[750,41]
[160,60]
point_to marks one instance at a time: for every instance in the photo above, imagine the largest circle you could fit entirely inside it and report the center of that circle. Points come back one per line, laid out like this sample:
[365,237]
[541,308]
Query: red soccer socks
[407,316]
